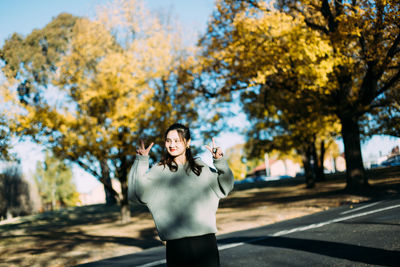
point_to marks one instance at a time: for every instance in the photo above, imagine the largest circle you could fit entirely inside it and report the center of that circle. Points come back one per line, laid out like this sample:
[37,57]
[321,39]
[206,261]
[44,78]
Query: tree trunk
[355,173]
[315,162]
[320,171]
[105,175]
[125,210]
[308,172]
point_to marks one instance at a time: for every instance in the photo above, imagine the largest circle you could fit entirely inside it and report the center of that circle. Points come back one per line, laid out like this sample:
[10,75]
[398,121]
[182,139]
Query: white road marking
[285,232]
[316,225]
[307,227]
[360,208]
[154,263]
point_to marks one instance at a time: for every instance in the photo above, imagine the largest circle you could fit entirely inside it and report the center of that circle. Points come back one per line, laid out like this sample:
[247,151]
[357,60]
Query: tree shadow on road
[354,253]
[62,236]
[287,192]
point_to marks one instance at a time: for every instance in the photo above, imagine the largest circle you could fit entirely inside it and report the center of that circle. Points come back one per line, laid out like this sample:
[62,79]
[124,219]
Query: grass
[85,234]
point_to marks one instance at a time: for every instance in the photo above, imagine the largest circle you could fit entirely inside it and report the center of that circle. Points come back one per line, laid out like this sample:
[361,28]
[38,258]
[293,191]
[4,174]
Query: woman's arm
[225,176]
[137,180]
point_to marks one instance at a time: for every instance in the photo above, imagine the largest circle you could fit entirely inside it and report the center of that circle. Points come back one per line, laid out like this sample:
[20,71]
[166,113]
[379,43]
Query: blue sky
[22,16]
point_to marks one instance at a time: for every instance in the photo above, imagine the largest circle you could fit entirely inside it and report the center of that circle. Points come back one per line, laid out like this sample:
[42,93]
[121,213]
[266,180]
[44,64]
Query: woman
[182,194]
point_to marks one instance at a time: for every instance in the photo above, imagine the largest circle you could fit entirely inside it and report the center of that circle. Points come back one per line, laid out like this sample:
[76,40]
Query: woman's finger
[213,141]
[142,144]
[150,146]
[208,148]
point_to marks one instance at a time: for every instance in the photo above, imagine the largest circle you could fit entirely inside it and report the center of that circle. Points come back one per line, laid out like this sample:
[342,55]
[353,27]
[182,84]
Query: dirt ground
[85,234]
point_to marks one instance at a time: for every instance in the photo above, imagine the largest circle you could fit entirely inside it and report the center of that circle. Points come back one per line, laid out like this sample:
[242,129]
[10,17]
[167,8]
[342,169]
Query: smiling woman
[182,194]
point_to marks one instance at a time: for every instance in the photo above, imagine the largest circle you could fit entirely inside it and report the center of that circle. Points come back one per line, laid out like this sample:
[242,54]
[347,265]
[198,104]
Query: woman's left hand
[215,151]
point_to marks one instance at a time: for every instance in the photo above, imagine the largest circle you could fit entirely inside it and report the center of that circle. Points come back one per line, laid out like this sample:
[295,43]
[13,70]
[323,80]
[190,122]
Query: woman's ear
[188,143]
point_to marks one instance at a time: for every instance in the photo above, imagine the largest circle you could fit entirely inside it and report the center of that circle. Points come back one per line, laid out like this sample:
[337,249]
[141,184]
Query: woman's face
[175,145]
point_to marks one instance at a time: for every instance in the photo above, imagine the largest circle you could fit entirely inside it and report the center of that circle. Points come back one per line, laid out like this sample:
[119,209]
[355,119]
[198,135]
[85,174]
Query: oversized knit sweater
[182,204]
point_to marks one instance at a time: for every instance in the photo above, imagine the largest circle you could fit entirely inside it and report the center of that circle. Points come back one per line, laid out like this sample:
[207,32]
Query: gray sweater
[181,204]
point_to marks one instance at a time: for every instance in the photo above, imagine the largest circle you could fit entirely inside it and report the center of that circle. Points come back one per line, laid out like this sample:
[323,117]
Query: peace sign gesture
[142,150]
[215,151]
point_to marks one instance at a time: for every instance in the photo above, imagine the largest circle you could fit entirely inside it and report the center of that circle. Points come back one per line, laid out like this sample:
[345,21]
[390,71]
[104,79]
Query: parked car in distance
[245,181]
[262,178]
[392,161]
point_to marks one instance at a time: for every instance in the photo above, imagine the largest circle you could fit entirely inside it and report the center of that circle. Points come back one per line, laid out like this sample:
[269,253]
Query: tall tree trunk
[308,172]
[125,211]
[123,173]
[320,171]
[355,173]
[315,162]
[105,175]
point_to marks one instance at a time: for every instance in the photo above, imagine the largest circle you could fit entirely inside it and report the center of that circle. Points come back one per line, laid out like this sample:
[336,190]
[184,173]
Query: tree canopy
[312,68]
[90,89]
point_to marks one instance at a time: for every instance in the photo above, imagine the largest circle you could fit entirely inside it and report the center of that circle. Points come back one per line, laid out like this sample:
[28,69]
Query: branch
[316,26]
[380,104]
[327,13]
[389,84]
[338,7]
[392,50]
[88,169]
[256,5]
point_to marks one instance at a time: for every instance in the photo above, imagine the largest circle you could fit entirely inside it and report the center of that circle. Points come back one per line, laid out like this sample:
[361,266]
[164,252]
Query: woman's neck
[180,160]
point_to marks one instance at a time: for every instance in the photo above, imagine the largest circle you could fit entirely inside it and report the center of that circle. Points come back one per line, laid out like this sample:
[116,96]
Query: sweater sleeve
[224,183]
[138,180]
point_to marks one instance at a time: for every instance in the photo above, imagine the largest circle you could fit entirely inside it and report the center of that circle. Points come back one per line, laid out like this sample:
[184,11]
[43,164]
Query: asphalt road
[367,234]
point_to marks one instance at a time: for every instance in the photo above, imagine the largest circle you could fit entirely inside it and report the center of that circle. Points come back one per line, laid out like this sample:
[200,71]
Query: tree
[117,79]
[353,46]
[54,181]
[365,37]
[280,68]
[15,197]
[235,159]
[5,139]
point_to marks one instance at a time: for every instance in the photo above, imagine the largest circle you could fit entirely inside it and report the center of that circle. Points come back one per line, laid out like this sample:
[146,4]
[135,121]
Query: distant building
[287,167]
[337,164]
[276,168]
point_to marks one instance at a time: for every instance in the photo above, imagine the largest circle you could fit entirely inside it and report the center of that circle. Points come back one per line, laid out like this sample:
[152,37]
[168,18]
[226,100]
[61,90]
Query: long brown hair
[167,159]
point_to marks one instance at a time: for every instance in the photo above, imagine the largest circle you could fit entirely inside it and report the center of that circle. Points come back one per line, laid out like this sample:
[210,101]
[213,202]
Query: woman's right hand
[142,150]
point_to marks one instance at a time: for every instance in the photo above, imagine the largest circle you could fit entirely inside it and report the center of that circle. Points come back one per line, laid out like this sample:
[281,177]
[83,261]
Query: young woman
[182,194]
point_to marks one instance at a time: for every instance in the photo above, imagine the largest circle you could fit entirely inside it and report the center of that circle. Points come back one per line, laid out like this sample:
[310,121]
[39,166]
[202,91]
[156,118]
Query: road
[367,234]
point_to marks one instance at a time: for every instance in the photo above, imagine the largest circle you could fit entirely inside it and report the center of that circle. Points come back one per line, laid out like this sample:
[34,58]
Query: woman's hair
[167,159]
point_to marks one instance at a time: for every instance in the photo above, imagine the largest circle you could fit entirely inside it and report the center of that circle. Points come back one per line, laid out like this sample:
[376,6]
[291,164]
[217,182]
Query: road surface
[367,234]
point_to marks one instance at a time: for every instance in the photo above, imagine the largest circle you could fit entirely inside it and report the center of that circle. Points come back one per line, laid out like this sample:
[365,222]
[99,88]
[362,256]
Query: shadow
[56,237]
[355,253]
[86,215]
[291,193]
[369,223]
[59,232]
[255,199]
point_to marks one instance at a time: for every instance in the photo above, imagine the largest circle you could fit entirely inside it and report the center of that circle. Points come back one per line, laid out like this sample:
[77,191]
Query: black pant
[196,251]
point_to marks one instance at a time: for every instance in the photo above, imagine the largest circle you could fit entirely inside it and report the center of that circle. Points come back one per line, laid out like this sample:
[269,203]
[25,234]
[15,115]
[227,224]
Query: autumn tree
[279,68]
[90,89]
[54,180]
[235,160]
[365,37]
[344,54]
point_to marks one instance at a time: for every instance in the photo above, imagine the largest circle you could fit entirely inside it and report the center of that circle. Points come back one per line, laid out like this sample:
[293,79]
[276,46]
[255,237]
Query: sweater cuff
[142,157]
[221,159]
